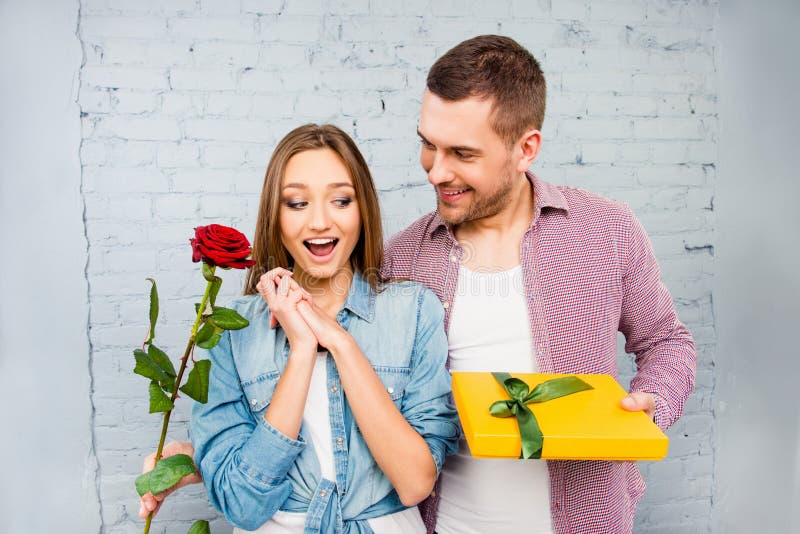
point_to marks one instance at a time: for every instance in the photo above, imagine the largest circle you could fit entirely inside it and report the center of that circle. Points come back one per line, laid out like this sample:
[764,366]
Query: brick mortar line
[92,453]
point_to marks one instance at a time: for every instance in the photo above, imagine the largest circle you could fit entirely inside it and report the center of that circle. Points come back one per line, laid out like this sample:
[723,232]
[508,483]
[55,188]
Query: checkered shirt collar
[547,196]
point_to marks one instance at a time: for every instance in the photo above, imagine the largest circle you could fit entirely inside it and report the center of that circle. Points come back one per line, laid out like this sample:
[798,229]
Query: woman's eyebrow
[337,185]
[295,185]
[334,185]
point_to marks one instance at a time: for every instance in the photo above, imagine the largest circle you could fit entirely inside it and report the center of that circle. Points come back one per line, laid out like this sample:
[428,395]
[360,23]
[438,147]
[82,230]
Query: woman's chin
[326,271]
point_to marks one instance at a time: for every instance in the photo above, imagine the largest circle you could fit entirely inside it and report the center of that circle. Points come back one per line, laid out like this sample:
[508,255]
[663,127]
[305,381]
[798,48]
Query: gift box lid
[587,425]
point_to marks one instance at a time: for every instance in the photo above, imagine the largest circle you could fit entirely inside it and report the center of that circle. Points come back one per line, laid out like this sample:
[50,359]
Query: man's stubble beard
[483,207]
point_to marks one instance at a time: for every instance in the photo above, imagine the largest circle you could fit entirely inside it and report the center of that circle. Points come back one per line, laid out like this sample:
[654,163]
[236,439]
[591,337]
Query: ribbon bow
[518,390]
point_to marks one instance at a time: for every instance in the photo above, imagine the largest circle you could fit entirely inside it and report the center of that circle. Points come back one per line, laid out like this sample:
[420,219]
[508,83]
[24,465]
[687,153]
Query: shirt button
[254,402]
[334,389]
[390,389]
[339,441]
[323,493]
[453,258]
[445,305]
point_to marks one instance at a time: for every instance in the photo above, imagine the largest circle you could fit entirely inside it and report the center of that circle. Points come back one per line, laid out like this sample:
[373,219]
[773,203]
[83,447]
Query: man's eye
[295,204]
[343,202]
[462,155]
[426,144]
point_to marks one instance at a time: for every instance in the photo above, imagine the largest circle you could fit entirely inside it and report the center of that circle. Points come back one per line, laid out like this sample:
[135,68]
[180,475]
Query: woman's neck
[329,294]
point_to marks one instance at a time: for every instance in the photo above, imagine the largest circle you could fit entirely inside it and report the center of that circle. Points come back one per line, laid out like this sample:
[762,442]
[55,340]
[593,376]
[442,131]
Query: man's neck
[493,243]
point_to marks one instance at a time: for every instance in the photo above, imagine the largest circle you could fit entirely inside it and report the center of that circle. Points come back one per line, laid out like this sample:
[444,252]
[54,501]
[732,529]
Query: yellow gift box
[587,425]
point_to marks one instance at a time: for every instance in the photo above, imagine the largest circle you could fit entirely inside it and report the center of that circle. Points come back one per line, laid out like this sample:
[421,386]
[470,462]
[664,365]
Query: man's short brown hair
[497,67]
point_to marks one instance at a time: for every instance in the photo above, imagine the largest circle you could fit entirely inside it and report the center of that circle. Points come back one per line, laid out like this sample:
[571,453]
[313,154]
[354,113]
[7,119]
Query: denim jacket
[251,470]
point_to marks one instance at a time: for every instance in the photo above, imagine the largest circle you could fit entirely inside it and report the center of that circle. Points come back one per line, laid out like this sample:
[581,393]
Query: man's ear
[529,144]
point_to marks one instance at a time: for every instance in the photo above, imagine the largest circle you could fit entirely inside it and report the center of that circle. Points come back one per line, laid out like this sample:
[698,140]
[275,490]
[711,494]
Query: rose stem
[184,360]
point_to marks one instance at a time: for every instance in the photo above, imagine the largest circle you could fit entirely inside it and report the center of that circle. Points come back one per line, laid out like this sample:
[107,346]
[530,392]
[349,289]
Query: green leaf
[214,291]
[161,359]
[146,367]
[200,527]
[153,310]
[167,473]
[159,402]
[208,336]
[210,343]
[208,272]
[227,319]
[196,385]
[205,332]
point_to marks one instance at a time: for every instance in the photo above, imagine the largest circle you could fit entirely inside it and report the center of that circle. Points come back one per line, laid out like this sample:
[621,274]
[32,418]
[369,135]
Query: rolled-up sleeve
[243,461]
[426,403]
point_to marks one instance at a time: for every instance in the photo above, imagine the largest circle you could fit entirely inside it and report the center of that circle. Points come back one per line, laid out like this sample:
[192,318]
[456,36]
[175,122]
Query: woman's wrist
[305,350]
[343,344]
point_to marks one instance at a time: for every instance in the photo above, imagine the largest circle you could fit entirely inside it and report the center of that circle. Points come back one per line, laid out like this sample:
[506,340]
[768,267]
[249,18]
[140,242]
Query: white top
[316,421]
[490,331]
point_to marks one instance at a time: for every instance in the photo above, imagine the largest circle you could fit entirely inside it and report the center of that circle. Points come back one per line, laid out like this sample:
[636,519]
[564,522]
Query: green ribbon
[518,390]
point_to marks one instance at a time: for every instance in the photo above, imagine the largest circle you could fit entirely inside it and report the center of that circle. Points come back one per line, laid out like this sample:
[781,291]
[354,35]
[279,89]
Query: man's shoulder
[413,235]
[586,207]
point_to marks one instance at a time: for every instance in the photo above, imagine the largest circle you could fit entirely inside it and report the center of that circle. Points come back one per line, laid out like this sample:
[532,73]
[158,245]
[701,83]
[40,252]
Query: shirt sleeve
[243,481]
[426,403]
[665,353]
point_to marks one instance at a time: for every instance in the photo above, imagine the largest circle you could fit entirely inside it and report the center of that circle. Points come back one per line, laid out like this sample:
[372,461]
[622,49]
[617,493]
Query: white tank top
[317,422]
[490,331]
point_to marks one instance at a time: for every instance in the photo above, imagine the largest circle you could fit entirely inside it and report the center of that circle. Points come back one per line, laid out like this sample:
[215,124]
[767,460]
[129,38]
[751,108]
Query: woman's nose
[320,220]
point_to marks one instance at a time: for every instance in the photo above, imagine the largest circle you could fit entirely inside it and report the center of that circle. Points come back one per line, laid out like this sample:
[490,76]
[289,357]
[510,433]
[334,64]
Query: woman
[330,411]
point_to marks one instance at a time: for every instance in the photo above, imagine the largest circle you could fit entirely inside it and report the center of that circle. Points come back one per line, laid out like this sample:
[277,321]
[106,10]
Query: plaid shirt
[589,271]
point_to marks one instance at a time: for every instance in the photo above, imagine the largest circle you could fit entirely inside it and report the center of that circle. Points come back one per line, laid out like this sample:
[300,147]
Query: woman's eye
[343,202]
[295,204]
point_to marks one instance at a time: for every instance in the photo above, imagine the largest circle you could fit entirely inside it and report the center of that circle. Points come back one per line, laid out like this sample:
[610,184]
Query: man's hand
[638,400]
[151,503]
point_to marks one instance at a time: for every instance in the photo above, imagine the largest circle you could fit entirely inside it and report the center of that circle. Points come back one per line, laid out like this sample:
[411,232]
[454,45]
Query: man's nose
[439,172]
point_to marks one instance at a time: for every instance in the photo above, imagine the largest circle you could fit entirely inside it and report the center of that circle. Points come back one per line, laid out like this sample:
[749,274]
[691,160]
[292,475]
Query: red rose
[221,245]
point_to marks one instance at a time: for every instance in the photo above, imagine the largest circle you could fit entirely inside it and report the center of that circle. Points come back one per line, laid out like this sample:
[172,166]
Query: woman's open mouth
[321,247]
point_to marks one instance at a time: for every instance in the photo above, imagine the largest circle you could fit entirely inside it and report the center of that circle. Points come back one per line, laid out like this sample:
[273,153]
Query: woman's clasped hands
[305,324]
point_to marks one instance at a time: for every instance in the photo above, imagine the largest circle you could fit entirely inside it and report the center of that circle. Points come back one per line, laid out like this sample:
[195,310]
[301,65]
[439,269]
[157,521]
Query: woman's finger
[277,271]
[295,296]
[283,286]
[309,315]
[297,287]
[270,279]
[266,289]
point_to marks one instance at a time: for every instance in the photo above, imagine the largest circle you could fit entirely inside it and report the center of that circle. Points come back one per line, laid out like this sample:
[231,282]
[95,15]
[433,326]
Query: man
[533,278]
[579,268]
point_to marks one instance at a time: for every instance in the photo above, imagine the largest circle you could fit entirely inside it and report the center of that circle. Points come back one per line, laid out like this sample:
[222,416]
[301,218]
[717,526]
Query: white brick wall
[183,101]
